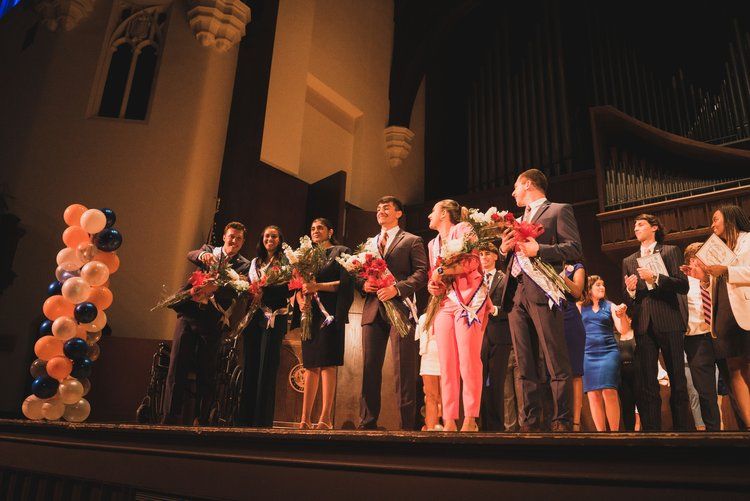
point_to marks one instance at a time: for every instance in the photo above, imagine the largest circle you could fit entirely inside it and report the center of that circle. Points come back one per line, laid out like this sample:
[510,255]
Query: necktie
[647,252]
[488,278]
[381,243]
[527,214]
[706,300]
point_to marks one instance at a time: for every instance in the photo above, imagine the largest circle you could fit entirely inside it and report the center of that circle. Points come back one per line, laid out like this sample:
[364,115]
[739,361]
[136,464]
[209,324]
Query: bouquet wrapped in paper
[542,273]
[203,285]
[306,262]
[367,266]
[275,274]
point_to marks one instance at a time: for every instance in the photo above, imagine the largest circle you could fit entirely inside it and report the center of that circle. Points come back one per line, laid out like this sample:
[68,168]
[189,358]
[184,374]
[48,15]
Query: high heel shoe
[304,425]
[322,426]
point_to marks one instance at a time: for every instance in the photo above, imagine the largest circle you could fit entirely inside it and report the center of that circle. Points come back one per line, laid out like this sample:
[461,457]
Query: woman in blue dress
[601,361]
[575,335]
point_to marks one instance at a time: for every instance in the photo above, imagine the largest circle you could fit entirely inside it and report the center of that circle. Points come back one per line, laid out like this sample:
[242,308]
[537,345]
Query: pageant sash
[271,315]
[471,310]
[555,296]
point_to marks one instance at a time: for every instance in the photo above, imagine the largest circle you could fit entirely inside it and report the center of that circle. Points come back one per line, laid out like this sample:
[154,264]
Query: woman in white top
[730,320]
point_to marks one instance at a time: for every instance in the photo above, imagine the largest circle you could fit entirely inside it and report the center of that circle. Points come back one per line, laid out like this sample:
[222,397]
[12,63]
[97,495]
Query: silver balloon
[38,368]
[93,352]
[77,412]
[86,386]
[93,337]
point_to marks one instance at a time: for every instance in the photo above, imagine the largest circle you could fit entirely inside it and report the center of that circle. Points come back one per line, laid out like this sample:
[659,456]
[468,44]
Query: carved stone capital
[397,144]
[63,13]
[218,23]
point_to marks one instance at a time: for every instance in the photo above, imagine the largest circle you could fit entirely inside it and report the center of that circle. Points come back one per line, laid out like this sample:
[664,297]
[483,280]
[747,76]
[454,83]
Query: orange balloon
[48,347]
[55,307]
[81,332]
[101,297]
[59,367]
[73,236]
[110,259]
[73,213]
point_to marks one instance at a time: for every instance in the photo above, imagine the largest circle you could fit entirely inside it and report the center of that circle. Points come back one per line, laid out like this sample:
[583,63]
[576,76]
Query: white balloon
[68,260]
[64,328]
[93,221]
[76,289]
[32,407]
[98,324]
[70,391]
[53,409]
[95,273]
[78,411]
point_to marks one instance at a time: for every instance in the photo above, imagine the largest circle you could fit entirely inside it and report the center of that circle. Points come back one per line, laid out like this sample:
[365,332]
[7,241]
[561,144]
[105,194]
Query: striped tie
[381,244]
[706,300]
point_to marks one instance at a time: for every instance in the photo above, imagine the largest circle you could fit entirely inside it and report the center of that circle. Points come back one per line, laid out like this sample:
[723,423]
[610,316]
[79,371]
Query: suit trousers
[495,359]
[645,360]
[404,351]
[702,362]
[512,393]
[262,357]
[535,326]
[194,347]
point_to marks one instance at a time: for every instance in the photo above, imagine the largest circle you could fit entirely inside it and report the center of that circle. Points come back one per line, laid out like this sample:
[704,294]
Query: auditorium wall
[160,175]
[328,99]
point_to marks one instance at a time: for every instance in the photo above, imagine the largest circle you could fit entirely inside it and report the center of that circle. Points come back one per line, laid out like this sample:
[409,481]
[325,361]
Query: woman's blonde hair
[455,211]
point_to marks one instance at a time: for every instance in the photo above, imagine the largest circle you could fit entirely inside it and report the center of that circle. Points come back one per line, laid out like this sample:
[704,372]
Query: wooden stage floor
[244,463]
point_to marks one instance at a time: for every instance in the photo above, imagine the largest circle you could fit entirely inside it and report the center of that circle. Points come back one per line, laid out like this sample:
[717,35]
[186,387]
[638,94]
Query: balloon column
[75,311]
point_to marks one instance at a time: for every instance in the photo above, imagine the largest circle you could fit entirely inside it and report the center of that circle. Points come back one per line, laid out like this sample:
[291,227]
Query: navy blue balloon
[45,328]
[108,240]
[111,217]
[44,387]
[82,368]
[75,348]
[85,312]
[54,289]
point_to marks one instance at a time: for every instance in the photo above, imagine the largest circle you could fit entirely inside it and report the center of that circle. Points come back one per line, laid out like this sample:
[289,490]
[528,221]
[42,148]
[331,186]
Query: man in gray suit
[534,324]
[407,261]
[658,306]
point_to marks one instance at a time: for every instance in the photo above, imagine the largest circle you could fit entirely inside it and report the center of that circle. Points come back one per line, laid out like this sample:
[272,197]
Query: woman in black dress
[324,351]
[262,341]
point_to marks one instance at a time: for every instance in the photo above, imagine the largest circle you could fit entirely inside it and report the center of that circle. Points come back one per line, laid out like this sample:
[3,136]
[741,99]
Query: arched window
[132,59]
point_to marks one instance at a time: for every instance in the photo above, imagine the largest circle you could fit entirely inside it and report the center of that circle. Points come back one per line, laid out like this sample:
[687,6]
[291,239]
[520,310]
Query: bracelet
[439,270]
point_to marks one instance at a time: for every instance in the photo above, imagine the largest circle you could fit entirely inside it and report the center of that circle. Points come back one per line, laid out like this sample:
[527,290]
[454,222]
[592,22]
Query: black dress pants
[702,363]
[646,360]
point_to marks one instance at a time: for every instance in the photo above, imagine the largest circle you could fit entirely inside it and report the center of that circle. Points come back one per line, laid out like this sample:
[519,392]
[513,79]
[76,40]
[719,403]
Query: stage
[123,461]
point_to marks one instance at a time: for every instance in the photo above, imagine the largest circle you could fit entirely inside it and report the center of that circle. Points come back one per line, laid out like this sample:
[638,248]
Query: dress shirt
[488,281]
[391,235]
[647,251]
[534,206]
[696,321]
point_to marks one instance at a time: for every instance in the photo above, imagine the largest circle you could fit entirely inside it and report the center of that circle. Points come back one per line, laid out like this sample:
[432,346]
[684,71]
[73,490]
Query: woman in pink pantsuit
[460,322]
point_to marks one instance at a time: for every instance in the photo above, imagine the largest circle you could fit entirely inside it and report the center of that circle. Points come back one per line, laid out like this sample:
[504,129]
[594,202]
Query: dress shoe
[367,426]
[561,427]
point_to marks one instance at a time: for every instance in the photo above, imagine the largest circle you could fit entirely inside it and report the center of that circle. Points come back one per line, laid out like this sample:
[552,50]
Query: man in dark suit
[496,345]
[658,306]
[407,261]
[198,332]
[534,323]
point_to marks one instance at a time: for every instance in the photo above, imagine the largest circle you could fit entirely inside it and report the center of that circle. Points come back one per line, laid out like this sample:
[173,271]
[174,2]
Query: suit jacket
[190,308]
[738,282]
[498,330]
[407,261]
[559,244]
[665,306]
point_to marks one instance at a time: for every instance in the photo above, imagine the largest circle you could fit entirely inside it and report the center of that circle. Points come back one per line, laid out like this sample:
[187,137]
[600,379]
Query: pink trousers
[459,348]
